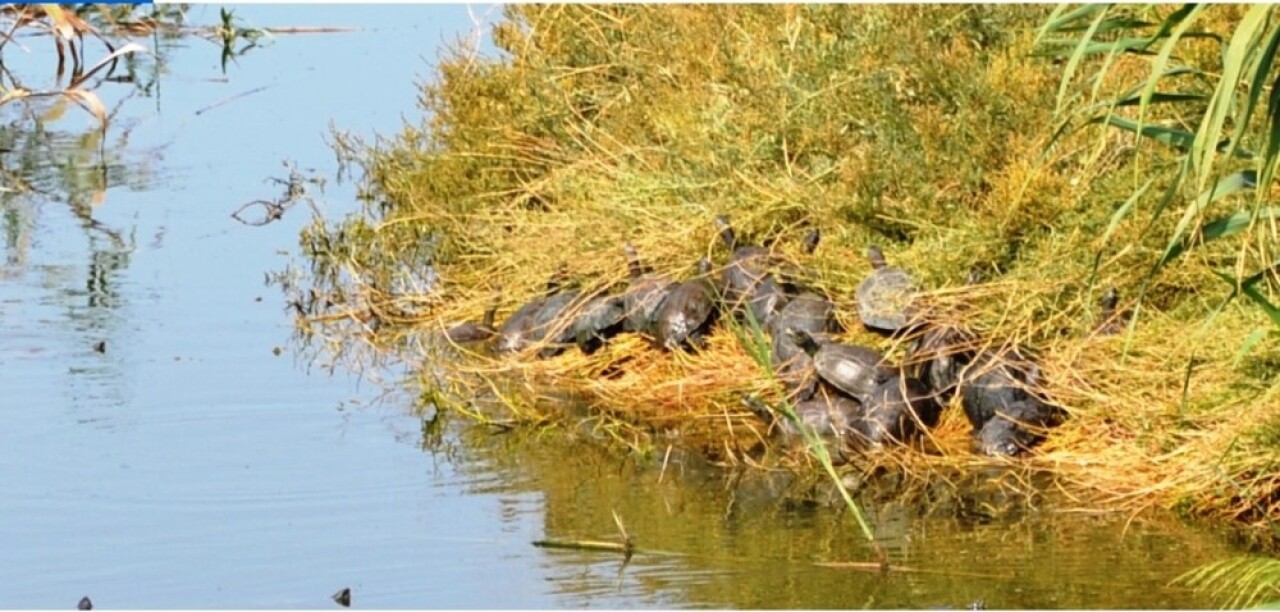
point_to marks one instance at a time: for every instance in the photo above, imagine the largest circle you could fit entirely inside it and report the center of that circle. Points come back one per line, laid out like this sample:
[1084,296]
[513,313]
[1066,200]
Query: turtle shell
[898,409]
[514,333]
[991,383]
[885,297]
[686,312]
[600,318]
[853,369]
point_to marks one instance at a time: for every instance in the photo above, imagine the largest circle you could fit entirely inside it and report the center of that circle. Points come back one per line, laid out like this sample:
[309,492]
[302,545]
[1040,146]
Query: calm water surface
[190,466]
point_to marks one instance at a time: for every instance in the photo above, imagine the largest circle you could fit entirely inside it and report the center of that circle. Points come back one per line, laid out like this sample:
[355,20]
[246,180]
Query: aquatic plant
[929,130]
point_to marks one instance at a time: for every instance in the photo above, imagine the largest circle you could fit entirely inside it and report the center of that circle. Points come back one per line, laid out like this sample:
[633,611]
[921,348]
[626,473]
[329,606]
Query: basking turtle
[1112,322]
[898,409]
[553,325]
[885,298]
[809,312]
[743,276]
[1016,428]
[688,310]
[853,369]
[644,296]
[993,382]
[831,417]
[472,331]
[600,318]
[938,356]
[515,333]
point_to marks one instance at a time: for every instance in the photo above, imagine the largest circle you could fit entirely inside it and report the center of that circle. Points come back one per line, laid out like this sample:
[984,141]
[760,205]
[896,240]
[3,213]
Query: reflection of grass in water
[919,128]
[754,538]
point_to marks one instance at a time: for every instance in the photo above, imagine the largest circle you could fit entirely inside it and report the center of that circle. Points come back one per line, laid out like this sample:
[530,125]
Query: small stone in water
[343,597]
[85,604]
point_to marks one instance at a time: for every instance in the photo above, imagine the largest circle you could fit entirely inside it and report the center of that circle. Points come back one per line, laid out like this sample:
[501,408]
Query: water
[187,464]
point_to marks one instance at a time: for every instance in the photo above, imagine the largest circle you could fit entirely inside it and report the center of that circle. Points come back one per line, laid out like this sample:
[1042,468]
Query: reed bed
[922,129]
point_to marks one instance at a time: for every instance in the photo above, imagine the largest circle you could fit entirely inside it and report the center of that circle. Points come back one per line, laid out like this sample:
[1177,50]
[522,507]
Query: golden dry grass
[922,129]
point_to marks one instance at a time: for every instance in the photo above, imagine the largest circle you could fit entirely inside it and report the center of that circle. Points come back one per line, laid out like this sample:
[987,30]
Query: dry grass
[922,129]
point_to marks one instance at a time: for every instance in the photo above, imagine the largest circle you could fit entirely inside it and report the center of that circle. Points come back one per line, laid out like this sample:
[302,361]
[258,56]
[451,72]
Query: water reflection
[777,541]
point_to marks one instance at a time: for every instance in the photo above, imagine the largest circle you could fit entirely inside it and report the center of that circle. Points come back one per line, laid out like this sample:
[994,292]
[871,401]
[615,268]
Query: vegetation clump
[926,130]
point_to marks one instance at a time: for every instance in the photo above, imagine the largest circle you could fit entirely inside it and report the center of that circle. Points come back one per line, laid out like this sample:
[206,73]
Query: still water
[191,464]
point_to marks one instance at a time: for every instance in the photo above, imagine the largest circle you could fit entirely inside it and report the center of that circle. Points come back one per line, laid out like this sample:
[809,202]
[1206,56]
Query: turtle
[645,294]
[743,276]
[600,318]
[517,331]
[898,409]
[809,312]
[938,356]
[830,416]
[1016,428]
[992,382]
[1112,322]
[552,324]
[853,369]
[688,310]
[885,297]
[471,331]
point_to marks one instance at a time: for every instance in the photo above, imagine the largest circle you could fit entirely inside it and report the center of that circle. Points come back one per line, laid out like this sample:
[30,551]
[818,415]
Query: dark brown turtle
[899,408]
[601,317]
[830,416]
[885,297]
[85,603]
[743,276]
[855,370]
[811,313]
[688,311]
[938,356]
[553,323]
[1017,427]
[515,333]
[992,382]
[645,294]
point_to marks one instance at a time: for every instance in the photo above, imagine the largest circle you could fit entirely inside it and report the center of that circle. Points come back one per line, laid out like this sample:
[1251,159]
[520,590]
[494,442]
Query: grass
[929,130]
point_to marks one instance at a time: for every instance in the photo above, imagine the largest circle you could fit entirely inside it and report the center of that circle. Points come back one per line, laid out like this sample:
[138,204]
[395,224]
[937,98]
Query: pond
[168,447]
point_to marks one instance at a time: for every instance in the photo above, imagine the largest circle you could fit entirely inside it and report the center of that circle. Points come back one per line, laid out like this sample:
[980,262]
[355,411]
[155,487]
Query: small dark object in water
[472,331]
[1015,429]
[743,276]
[939,354]
[688,310]
[644,296]
[343,597]
[856,370]
[601,318]
[885,298]
[831,417]
[898,409]
[1112,322]
[85,603]
[808,312]
[100,346]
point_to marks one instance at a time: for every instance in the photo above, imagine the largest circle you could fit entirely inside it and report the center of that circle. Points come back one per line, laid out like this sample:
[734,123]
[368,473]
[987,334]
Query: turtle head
[1002,437]
[811,240]
[1110,300]
[704,266]
[634,268]
[726,231]
[875,256]
[803,340]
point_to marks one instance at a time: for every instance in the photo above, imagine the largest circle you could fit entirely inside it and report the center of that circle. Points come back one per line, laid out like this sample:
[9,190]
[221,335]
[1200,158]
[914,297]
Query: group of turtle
[851,395]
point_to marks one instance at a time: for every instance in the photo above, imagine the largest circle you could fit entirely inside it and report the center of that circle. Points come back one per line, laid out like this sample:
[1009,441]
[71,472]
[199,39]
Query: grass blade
[1180,241]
